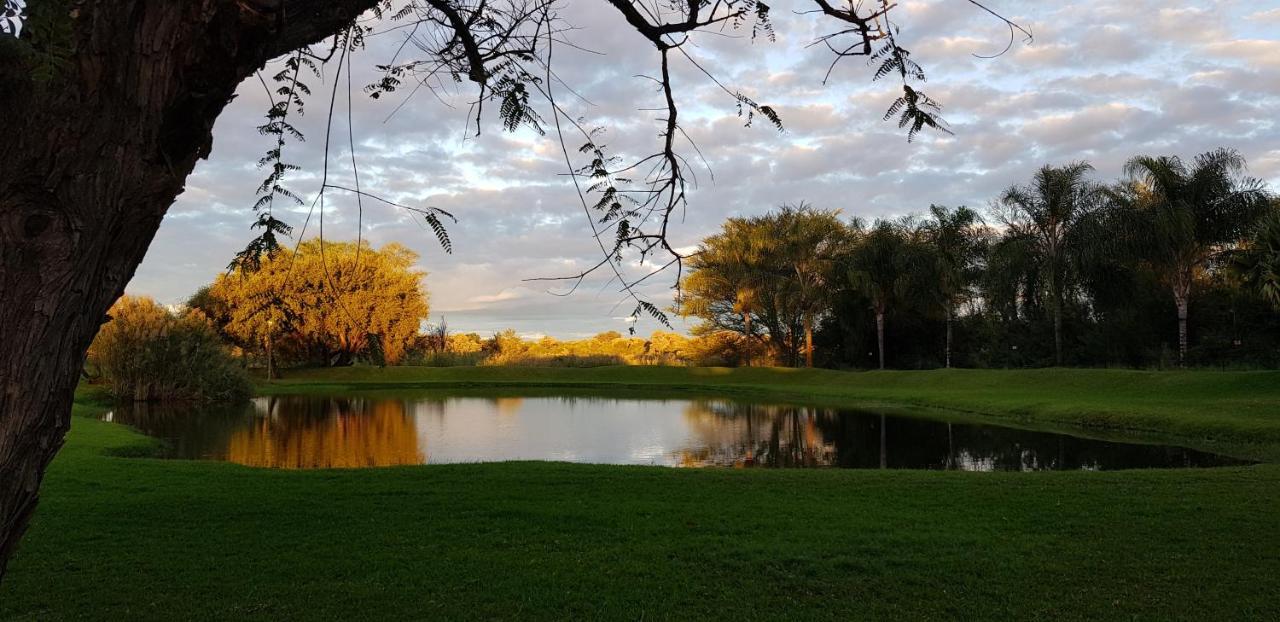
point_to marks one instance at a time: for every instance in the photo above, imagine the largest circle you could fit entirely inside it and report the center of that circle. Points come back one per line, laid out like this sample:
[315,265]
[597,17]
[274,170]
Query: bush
[147,353]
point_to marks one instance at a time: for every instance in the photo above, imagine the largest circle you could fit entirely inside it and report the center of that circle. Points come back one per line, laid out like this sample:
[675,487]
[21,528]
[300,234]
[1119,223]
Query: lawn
[139,538]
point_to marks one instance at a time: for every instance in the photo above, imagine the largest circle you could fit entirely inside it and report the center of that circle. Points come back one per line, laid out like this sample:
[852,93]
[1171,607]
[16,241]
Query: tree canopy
[331,302]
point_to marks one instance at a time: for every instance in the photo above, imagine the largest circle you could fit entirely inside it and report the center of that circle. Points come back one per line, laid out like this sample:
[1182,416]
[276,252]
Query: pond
[307,432]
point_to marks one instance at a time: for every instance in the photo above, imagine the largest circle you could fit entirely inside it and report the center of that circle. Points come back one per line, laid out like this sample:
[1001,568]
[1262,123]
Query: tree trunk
[1057,331]
[271,367]
[1181,298]
[808,339]
[880,335]
[948,353]
[91,160]
[746,322]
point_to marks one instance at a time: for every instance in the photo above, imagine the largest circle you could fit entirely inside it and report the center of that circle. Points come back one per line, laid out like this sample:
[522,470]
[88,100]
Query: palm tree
[957,241]
[885,266]
[1179,218]
[1051,216]
[1258,262]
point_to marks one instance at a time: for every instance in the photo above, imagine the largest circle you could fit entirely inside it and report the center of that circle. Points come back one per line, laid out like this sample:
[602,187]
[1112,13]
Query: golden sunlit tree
[144,352]
[769,274]
[331,302]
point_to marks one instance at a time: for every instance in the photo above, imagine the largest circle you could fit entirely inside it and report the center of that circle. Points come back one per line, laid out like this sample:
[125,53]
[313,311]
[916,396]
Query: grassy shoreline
[142,538]
[1231,412]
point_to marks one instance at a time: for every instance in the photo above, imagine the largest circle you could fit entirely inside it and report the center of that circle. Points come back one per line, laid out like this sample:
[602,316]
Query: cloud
[501,296]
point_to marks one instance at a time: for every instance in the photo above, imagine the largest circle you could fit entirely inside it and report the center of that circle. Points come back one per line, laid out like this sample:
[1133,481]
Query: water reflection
[338,433]
[299,432]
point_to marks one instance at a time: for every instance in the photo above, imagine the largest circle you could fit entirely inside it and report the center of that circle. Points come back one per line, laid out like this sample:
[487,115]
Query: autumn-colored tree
[331,302]
[465,343]
[147,353]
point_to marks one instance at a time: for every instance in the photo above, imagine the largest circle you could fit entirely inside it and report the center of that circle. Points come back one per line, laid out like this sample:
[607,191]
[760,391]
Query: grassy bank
[1234,412]
[140,538]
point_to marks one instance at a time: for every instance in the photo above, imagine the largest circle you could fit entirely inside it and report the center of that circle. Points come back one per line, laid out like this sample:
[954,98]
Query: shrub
[147,353]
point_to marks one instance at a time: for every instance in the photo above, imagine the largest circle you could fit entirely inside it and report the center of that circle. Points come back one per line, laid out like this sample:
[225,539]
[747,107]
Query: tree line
[1177,262]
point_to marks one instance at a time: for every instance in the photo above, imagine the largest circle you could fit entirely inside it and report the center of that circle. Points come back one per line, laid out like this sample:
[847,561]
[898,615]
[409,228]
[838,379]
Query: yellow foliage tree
[144,352]
[331,301]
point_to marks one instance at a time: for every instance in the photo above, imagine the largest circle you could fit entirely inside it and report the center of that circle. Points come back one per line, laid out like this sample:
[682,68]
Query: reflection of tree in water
[329,433]
[736,434]
[743,435]
[312,432]
[189,429]
[508,406]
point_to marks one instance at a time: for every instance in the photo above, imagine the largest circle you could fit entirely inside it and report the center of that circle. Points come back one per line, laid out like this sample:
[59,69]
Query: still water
[308,432]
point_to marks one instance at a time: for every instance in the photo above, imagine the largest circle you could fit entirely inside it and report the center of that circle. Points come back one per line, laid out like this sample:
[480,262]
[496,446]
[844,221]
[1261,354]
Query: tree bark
[91,160]
[880,335]
[948,352]
[808,339]
[1057,330]
[1181,299]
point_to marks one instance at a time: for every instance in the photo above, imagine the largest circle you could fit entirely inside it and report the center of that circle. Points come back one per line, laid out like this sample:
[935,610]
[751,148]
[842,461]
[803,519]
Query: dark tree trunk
[1181,298]
[948,353]
[808,339]
[1057,330]
[91,160]
[880,335]
[746,322]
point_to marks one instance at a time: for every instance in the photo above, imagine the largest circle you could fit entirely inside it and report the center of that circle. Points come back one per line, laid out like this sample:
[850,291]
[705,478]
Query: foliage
[1178,219]
[507,348]
[1258,263]
[769,275]
[891,266]
[1053,220]
[1075,273]
[330,303]
[144,352]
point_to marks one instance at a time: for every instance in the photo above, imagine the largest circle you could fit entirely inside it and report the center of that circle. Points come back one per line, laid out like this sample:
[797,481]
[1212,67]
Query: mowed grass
[140,538]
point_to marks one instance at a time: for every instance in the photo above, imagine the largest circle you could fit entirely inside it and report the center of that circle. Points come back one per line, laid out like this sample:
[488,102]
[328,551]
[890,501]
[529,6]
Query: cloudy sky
[1102,81]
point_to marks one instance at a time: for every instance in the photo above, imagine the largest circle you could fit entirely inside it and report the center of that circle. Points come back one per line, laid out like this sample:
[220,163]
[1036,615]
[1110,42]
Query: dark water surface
[306,432]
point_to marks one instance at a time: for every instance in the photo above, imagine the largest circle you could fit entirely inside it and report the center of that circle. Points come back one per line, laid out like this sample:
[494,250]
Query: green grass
[141,538]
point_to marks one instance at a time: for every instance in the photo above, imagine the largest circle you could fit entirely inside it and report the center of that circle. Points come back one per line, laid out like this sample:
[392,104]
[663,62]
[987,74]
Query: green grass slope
[120,537]
[130,538]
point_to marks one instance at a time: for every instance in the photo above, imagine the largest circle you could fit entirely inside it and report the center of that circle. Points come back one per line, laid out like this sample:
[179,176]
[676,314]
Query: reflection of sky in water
[353,432]
[578,430]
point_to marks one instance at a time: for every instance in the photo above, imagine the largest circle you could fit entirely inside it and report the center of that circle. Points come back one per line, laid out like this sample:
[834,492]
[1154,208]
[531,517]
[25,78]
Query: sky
[1102,81]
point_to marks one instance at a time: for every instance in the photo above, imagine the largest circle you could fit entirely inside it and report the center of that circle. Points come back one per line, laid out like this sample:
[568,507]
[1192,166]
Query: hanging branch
[503,47]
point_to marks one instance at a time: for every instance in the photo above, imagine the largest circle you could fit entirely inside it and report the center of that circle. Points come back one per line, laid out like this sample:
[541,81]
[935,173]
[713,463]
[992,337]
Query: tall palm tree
[885,266]
[1258,262]
[1052,217]
[1179,218]
[957,240]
